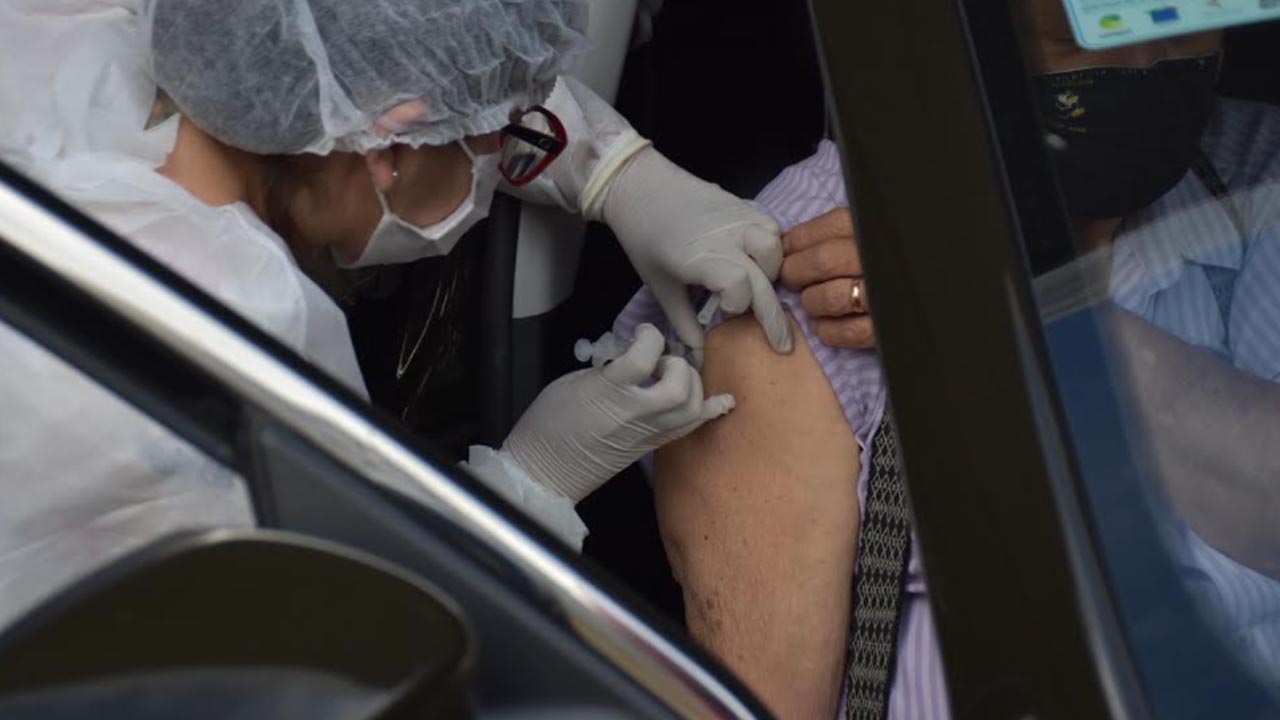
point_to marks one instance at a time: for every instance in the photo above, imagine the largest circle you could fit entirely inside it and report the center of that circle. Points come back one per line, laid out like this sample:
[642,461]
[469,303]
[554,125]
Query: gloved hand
[677,230]
[587,426]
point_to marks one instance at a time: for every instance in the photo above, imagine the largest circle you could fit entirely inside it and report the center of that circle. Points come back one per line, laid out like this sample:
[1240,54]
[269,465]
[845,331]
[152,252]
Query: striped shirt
[1159,273]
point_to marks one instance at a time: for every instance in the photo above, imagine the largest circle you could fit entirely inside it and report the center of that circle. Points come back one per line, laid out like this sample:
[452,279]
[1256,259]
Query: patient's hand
[759,515]
[823,265]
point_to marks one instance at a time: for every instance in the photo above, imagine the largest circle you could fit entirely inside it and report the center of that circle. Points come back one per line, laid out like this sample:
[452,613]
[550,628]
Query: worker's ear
[382,167]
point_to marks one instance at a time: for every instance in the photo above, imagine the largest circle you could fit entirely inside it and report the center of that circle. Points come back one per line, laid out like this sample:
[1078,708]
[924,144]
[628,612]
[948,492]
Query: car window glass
[1167,158]
[88,478]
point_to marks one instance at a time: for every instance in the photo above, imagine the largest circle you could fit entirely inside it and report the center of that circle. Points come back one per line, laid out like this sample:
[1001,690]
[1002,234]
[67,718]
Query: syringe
[607,349]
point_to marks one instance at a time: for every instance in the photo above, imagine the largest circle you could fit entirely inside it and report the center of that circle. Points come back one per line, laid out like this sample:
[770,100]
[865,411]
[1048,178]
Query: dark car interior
[243,606]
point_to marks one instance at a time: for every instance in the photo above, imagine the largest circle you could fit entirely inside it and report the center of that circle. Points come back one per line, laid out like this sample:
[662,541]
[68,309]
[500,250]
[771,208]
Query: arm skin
[1214,434]
[759,515]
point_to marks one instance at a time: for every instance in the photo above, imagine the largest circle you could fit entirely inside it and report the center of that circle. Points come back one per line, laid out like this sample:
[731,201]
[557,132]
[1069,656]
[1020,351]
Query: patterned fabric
[1222,282]
[885,539]
[1156,271]
[1209,273]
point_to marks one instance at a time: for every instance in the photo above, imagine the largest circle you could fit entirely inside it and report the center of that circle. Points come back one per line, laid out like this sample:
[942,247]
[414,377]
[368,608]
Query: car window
[97,478]
[1164,315]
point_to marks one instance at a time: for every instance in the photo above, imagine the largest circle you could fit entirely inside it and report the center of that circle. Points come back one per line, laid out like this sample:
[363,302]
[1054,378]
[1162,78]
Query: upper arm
[759,514]
[785,449]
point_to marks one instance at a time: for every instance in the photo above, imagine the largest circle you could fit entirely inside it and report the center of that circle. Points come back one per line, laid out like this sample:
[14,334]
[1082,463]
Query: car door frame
[1028,625]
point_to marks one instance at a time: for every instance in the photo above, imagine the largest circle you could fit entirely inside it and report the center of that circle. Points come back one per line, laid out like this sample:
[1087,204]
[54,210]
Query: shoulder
[774,392]
[786,419]
[224,251]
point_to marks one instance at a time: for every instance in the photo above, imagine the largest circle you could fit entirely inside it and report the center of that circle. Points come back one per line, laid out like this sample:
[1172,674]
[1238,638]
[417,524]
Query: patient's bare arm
[759,514]
[1214,435]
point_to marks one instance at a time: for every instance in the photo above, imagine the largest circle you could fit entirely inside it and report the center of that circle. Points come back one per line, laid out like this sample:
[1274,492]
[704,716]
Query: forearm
[1214,434]
[759,515]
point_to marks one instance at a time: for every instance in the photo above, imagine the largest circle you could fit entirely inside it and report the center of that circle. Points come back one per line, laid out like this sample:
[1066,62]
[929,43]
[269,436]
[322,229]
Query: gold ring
[855,297]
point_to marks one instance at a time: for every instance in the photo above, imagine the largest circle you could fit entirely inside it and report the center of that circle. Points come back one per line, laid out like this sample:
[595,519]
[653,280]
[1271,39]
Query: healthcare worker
[233,140]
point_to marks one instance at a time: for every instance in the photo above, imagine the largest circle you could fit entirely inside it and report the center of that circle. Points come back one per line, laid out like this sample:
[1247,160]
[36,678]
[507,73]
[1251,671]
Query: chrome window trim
[594,617]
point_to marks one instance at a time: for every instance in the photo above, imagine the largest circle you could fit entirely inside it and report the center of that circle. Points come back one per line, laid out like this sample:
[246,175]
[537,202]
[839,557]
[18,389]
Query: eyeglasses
[530,144]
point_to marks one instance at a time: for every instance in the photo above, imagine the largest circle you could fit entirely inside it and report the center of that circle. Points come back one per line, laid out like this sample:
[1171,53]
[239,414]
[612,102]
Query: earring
[395,176]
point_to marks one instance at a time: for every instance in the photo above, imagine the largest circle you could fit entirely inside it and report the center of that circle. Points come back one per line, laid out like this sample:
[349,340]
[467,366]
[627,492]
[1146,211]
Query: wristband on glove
[502,474]
[591,201]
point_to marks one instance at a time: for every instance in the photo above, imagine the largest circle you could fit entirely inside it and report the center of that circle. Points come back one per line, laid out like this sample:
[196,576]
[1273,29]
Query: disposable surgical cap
[294,76]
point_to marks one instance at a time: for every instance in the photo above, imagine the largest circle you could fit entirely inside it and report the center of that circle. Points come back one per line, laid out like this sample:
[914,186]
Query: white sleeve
[87,478]
[550,509]
[601,142]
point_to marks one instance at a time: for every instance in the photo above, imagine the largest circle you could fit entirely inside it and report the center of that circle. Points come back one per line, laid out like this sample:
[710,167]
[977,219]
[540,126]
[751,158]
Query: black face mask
[1128,135]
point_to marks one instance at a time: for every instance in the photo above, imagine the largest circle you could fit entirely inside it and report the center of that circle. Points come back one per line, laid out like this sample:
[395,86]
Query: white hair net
[315,76]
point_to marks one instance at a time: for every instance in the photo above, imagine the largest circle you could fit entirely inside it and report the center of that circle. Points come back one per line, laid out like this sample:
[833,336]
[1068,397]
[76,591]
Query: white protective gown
[86,478]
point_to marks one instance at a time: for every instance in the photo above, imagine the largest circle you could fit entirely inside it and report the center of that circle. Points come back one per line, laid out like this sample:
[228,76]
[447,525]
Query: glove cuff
[502,474]
[608,167]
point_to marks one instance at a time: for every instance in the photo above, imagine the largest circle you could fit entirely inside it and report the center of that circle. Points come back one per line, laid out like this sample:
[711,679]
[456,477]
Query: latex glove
[549,508]
[677,230]
[587,426]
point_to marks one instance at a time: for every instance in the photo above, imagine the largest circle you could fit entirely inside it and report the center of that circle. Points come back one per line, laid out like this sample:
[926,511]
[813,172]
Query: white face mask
[395,240]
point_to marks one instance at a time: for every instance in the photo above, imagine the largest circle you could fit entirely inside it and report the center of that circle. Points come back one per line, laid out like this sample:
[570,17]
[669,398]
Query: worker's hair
[283,177]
